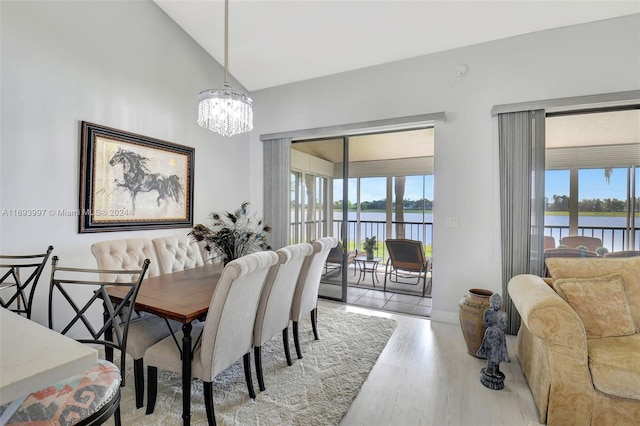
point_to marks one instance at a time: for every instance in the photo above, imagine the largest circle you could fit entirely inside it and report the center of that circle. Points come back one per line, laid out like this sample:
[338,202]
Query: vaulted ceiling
[275,42]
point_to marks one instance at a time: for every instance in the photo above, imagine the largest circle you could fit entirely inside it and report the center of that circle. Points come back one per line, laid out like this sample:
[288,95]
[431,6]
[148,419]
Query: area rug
[316,390]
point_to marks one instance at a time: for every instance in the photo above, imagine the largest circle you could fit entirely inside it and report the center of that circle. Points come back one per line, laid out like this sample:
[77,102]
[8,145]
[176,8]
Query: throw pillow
[601,304]
[628,267]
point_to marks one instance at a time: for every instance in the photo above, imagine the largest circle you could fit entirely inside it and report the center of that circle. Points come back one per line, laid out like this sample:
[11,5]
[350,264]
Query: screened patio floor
[401,298]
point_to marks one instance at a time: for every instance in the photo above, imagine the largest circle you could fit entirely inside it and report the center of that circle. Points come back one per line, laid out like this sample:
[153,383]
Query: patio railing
[613,238]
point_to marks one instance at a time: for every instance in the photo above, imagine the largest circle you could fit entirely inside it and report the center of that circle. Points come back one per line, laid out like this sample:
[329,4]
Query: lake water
[613,240]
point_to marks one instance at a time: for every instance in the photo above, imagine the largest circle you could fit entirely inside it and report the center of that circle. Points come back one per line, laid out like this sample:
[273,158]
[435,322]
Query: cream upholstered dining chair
[305,298]
[275,302]
[176,253]
[145,329]
[226,336]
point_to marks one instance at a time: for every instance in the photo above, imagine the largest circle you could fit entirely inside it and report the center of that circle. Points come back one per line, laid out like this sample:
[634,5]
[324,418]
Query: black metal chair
[146,329]
[407,263]
[93,396]
[13,269]
[114,330]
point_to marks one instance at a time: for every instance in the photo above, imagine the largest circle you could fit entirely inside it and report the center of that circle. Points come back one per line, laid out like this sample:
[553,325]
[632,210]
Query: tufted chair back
[305,296]
[176,253]
[127,253]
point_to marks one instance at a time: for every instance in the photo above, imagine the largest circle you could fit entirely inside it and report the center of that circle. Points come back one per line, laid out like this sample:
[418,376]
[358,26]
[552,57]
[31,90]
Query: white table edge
[19,377]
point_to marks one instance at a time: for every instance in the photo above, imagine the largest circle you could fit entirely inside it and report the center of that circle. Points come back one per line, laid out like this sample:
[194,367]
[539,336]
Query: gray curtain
[277,169]
[521,152]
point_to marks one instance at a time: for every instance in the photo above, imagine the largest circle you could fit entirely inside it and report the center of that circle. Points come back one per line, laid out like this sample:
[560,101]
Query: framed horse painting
[132,182]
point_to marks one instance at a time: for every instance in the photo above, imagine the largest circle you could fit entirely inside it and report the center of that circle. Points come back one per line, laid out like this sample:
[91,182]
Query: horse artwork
[138,178]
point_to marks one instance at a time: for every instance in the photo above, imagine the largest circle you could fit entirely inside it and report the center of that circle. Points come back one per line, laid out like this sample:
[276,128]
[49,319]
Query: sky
[592,185]
[376,188]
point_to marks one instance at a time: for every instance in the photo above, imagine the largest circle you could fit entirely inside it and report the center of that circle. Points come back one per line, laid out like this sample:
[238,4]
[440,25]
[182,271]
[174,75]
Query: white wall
[120,64]
[580,60]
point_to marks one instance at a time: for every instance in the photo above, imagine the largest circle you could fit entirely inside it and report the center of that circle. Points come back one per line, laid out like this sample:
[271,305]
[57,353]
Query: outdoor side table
[368,265]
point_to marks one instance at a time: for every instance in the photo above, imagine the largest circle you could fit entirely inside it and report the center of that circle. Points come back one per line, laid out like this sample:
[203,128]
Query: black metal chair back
[14,269]
[112,332]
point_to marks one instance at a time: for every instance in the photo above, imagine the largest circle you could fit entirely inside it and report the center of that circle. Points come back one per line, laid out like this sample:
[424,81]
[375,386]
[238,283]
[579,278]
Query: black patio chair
[93,396]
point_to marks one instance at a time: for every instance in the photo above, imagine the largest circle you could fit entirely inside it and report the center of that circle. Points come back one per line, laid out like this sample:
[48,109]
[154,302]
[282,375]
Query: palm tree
[608,171]
[399,205]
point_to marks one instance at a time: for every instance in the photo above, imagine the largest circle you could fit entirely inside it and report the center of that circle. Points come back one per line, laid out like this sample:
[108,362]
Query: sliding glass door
[388,193]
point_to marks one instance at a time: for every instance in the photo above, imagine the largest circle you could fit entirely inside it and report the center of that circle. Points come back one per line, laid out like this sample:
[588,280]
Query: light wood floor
[424,376]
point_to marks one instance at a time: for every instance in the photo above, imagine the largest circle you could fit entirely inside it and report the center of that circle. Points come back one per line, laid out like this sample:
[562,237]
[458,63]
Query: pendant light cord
[226,42]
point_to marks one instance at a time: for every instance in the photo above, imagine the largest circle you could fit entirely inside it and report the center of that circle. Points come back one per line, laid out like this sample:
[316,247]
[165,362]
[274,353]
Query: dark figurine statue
[494,344]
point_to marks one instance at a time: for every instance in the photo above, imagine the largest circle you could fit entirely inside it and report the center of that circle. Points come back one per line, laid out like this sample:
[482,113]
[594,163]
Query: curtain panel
[521,159]
[277,168]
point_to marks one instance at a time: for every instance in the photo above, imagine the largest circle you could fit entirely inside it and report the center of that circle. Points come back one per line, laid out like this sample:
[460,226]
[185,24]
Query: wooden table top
[183,296]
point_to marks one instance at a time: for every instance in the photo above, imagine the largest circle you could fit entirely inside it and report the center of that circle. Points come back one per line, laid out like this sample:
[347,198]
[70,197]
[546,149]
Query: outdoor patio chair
[591,243]
[622,253]
[407,263]
[18,280]
[335,260]
[549,242]
[564,252]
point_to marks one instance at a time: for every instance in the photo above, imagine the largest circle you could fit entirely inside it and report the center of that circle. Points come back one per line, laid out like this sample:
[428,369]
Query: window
[592,180]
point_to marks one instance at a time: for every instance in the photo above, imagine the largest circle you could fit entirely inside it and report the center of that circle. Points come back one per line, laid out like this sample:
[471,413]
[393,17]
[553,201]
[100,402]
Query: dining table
[33,357]
[182,296]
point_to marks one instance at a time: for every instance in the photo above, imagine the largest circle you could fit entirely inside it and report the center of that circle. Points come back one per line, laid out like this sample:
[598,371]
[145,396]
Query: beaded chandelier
[225,111]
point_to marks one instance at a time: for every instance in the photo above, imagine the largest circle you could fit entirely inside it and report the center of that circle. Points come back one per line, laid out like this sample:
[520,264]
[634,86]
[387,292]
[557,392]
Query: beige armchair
[578,342]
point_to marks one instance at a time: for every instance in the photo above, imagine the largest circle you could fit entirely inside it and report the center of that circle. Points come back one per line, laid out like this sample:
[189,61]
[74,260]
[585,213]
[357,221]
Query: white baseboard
[445,316]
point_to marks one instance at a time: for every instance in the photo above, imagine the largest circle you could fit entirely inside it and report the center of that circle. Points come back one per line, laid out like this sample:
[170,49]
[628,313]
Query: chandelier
[225,111]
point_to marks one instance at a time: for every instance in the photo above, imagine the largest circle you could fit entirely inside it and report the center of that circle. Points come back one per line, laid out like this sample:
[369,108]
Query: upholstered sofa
[579,340]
